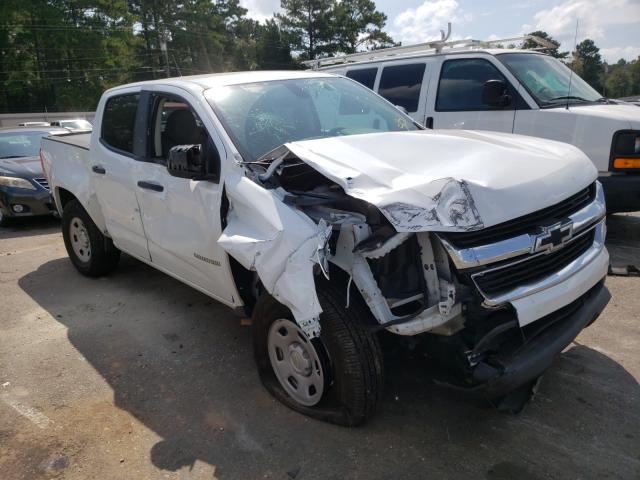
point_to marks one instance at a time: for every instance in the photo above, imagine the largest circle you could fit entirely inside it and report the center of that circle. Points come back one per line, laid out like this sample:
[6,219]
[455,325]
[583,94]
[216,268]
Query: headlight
[17,183]
[626,151]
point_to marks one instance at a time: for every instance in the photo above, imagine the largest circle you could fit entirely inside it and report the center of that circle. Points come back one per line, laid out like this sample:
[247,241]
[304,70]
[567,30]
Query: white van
[467,85]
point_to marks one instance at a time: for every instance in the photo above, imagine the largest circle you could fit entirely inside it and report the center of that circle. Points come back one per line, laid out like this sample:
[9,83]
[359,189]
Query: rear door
[181,216]
[112,161]
[456,101]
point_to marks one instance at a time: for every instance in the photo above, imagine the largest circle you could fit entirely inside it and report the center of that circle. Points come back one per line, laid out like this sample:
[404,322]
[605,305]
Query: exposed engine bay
[289,221]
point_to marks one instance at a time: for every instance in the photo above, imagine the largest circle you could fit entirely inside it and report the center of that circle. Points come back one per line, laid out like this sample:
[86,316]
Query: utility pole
[163,35]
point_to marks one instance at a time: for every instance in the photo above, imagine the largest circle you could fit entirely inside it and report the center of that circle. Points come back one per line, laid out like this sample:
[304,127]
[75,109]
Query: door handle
[429,123]
[98,169]
[150,186]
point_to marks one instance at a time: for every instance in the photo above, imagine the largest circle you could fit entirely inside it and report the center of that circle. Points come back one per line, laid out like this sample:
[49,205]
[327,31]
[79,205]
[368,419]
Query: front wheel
[337,377]
[90,251]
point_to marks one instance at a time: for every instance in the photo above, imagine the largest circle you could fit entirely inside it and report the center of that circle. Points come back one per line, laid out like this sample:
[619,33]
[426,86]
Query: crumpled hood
[449,180]
[27,167]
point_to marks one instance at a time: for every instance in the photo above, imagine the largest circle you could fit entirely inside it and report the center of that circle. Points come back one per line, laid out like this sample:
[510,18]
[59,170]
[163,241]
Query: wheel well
[65,197]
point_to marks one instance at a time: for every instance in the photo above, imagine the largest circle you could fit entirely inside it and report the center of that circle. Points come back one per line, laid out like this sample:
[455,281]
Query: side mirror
[495,94]
[190,161]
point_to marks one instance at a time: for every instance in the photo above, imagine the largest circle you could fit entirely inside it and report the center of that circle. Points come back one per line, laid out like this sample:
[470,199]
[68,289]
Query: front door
[112,160]
[457,102]
[182,216]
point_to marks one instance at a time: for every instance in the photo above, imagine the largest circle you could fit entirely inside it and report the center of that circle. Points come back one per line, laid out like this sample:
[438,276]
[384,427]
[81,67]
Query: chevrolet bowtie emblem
[553,237]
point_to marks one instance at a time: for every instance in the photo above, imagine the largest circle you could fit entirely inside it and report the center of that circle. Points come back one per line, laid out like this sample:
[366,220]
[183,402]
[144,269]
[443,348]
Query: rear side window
[462,82]
[365,76]
[118,121]
[400,84]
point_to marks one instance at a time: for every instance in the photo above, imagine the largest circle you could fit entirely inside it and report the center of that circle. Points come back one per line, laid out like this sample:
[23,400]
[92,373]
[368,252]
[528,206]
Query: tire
[349,354]
[89,250]
[5,220]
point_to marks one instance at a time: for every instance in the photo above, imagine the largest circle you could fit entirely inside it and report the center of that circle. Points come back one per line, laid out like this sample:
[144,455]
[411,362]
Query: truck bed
[77,139]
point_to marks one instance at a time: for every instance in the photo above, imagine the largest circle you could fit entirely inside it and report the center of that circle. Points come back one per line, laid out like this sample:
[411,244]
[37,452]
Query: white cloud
[424,22]
[261,10]
[594,16]
[613,54]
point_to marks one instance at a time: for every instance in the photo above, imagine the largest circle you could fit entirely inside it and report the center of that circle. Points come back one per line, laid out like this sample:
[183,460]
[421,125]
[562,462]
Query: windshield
[262,116]
[27,144]
[547,79]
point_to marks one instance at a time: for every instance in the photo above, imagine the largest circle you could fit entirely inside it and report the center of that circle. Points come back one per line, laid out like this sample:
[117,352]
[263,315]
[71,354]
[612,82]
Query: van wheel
[90,251]
[338,377]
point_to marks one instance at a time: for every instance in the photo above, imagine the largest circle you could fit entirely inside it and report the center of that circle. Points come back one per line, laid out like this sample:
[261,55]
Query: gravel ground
[136,376]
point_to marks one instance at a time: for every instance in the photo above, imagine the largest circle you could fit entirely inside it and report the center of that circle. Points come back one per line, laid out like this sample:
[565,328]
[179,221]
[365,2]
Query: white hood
[450,180]
[627,115]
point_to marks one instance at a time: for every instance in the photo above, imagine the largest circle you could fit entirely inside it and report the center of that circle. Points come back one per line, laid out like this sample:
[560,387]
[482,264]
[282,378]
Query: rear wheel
[337,377]
[90,251]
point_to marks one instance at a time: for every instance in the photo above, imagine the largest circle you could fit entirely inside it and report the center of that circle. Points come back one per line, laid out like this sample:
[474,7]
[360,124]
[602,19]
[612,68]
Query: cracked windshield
[262,116]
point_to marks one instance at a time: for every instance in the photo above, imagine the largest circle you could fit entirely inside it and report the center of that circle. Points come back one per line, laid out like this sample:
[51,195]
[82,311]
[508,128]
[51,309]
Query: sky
[612,24]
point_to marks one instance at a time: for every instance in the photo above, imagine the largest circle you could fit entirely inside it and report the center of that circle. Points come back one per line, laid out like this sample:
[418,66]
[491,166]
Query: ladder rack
[432,48]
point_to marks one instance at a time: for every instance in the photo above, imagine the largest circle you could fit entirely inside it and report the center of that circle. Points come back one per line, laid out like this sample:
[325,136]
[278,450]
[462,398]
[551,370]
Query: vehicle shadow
[29,227]
[182,365]
[623,239]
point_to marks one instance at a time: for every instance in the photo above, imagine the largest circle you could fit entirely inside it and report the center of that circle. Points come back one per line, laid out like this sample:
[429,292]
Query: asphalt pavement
[137,376]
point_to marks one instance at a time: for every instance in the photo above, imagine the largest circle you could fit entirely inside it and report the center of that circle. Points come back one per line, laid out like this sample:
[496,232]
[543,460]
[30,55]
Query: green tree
[272,47]
[309,26]
[358,24]
[554,52]
[622,79]
[588,64]
[59,54]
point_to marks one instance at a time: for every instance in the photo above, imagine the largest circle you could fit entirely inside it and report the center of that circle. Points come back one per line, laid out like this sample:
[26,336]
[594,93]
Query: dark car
[24,190]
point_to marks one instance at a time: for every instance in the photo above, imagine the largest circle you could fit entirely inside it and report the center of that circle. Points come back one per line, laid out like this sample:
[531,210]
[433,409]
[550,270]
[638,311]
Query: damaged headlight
[452,206]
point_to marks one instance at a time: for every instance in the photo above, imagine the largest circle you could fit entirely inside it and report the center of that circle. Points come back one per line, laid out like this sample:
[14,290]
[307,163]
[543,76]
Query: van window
[462,82]
[365,76]
[118,121]
[400,84]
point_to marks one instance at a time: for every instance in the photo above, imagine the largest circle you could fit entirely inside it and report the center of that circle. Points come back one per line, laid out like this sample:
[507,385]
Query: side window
[400,84]
[175,123]
[462,83]
[365,76]
[118,121]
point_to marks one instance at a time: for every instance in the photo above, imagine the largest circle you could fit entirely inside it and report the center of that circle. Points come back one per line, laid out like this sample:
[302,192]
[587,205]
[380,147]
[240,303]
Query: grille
[533,269]
[526,224]
[42,182]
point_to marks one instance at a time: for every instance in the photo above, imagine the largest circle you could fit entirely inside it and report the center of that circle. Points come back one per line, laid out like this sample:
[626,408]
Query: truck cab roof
[214,80]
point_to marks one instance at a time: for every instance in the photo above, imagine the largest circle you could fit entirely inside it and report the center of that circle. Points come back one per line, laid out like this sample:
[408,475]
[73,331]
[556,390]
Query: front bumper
[496,376]
[622,192]
[35,202]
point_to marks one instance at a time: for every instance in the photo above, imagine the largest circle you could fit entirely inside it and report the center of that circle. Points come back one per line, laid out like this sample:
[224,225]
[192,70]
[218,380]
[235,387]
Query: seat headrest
[181,128]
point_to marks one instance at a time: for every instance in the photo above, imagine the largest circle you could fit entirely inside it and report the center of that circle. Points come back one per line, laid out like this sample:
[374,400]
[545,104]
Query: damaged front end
[398,244]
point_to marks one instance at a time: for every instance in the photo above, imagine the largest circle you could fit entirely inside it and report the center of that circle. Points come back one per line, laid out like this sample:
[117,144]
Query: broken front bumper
[495,376]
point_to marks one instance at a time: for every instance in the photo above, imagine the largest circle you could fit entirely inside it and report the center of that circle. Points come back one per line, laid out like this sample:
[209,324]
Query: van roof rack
[433,48]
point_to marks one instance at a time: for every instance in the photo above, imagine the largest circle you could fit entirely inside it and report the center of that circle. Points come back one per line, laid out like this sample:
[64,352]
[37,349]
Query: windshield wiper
[11,156]
[569,97]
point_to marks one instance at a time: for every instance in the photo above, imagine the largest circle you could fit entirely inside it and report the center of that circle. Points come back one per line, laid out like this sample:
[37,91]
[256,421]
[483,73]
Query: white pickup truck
[310,203]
